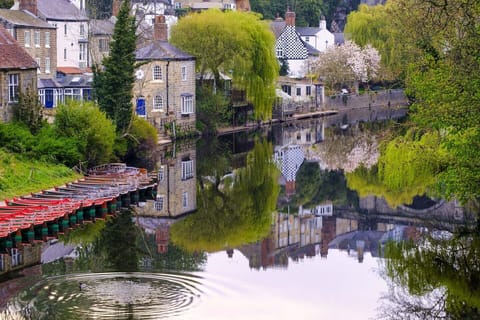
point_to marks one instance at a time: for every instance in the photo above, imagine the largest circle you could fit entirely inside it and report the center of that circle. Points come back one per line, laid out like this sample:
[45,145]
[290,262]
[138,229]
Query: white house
[72,31]
[290,46]
[319,38]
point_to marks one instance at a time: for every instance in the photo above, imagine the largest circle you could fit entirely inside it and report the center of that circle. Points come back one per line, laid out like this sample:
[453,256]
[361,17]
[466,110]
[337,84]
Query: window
[157,73]
[184,73]
[27,39]
[13,87]
[178,5]
[187,104]
[37,60]
[185,199]
[157,103]
[279,52]
[82,55]
[47,39]
[16,257]
[299,91]
[72,94]
[307,39]
[161,174]
[159,203]
[65,29]
[37,39]
[103,45]
[187,169]
[47,65]
[309,91]
[82,31]
[65,54]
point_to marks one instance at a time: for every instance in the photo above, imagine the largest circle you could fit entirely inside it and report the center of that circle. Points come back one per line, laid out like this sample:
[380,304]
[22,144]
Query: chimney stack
[290,18]
[29,5]
[160,29]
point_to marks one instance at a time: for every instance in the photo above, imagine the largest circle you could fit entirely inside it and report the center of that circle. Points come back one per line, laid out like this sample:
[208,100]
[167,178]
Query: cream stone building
[164,90]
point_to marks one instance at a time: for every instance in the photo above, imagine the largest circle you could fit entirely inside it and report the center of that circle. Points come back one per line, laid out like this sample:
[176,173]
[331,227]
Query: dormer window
[157,73]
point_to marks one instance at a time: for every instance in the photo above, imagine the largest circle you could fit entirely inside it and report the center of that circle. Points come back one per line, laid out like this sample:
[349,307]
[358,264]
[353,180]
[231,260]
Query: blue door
[48,98]
[141,107]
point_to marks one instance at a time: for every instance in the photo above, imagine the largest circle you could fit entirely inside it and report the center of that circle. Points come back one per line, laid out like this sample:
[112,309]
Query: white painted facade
[72,43]
[322,39]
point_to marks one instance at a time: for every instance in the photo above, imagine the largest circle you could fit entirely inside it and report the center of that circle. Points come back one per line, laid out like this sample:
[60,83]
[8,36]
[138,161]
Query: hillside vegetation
[20,176]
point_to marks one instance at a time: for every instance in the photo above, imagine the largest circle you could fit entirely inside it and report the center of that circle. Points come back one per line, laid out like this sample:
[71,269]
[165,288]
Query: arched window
[157,102]
[157,73]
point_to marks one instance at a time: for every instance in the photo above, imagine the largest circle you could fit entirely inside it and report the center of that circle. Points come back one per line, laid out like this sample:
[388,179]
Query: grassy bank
[20,176]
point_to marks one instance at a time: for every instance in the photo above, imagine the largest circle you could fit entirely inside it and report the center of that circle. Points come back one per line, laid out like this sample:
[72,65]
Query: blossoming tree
[346,65]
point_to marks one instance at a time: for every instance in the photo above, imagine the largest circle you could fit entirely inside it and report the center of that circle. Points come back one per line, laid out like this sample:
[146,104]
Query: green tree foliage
[212,110]
[234,43]
[29,110]
[141,140]
[236,212]
[114,83]
[448,264]
[6,4]
[374,25]
[99,9]
[94,133]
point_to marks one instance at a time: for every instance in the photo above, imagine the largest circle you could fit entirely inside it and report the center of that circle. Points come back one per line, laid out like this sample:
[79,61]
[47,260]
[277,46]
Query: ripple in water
[107,296]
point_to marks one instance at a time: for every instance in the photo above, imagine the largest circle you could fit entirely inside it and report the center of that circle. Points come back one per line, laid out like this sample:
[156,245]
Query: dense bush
[93,132]
[141,140]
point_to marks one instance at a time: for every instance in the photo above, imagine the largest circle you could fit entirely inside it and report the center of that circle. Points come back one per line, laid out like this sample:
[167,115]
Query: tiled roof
[12,55]
[101,27]
[76,81]
[70,70]
[23,19]
[60,10]
[152,1]
[307,31]
[161,50]
[48,83]
[311,49]
[277,27]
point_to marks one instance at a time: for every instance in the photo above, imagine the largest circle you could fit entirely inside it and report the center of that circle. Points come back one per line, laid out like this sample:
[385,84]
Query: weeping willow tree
[446,265]
[235,213]
[407,167]
[234,43]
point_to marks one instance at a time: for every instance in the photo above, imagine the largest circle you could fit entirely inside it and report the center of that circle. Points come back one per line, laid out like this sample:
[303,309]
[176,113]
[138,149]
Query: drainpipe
[168,85]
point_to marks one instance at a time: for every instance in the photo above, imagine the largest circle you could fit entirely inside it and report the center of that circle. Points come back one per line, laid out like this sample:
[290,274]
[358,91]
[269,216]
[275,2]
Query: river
[262,225]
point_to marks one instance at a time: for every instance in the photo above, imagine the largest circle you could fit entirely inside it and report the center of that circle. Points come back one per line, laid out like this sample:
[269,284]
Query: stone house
[18,72]
[38,38]
[164,90]
[101,32]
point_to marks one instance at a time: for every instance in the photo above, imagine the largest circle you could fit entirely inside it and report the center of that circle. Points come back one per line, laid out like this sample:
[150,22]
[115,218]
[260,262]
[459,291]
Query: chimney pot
[160,29]
[28,5]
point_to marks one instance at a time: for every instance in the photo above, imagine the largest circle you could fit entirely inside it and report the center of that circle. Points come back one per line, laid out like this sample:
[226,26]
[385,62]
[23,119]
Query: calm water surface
[259,226]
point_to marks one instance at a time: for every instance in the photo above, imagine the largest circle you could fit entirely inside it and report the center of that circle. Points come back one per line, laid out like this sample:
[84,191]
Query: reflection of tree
[235,214]
[118,243]
[315,186]
[440,277]
[209,152]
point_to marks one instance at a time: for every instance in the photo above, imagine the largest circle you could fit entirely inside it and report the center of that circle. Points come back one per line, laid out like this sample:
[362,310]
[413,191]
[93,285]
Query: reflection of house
[289,159]
[176,191]
[323,209]
[305,133]
[18,71]
[165,86]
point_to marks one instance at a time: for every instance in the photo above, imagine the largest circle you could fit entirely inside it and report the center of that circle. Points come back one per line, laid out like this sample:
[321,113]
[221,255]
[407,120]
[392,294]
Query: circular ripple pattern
[111,296]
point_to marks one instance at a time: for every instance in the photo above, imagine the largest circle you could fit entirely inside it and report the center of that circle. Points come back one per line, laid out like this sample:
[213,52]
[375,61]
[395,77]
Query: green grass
[20,176]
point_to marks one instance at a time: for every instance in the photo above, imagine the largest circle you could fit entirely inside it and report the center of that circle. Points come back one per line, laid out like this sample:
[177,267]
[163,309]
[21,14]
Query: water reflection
[436,274]
[279,199]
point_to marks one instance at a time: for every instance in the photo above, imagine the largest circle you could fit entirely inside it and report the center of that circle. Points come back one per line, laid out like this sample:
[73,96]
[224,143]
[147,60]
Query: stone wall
[385,98]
